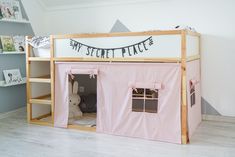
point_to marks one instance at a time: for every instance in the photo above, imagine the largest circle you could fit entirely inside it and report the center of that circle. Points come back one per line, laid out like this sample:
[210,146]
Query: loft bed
[147,83]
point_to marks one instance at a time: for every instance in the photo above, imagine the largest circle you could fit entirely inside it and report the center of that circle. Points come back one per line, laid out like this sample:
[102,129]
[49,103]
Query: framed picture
[12,76]
[1,8]
[0,46]
[17,9]
[19,42]
[7,9]
[7,43]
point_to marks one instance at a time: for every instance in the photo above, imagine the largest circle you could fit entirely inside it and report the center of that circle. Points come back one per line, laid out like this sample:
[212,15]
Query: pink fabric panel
[145,85]
[194,82]
[84,71]
[194,112]
[114,99]
[61,112]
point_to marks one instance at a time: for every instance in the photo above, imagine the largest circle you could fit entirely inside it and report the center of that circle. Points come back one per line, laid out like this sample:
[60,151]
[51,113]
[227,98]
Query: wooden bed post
[184,118]
[28,90]
[52,70]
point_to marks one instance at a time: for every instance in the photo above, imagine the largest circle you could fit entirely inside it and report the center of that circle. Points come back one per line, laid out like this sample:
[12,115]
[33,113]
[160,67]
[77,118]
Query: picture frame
[17,9]
[12,76]
[0,45]
[7,9]
[7,44]
[19,43]
[1,8]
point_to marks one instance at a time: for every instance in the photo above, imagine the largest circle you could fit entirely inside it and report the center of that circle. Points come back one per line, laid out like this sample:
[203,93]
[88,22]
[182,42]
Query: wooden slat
[39,59]
[29,111]
[41,79]
[52,73]
[47,96]
[192,33]
[158,60]
[45,99]
[28,91]
[40,101]
[83,128]
[184,120]
[96,35]
[192,58]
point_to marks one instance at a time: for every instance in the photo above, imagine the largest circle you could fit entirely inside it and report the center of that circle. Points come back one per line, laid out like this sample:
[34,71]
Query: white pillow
[40,42]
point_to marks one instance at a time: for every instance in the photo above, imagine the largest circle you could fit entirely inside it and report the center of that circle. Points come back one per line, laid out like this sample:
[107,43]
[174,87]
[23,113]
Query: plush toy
[74,100]
[88,103]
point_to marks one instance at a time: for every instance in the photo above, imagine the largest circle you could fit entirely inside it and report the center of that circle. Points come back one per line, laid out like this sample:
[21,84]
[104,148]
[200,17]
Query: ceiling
[63,4]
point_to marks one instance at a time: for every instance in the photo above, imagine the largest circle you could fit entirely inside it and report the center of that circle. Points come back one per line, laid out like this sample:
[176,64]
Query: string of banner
[130,50]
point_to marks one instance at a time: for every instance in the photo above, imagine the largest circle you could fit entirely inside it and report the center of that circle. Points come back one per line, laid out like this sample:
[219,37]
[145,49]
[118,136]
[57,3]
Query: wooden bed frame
[50,99]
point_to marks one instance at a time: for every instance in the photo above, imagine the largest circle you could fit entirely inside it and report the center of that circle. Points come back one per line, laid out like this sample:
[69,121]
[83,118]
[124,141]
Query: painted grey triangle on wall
[207,108]
[119,27]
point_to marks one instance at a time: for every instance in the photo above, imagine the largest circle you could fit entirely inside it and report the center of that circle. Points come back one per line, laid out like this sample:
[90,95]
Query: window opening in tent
[192,94]
[145,100]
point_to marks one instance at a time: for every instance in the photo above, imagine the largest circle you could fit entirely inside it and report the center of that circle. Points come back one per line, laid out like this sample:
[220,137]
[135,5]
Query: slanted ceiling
[51,5]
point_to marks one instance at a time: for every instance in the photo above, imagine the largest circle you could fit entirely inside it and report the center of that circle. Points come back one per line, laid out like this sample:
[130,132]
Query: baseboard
[218,118]
[10,113]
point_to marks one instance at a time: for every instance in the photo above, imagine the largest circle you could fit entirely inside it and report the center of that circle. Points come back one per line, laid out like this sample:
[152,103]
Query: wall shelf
[3,83]
[14,21]
[12,53]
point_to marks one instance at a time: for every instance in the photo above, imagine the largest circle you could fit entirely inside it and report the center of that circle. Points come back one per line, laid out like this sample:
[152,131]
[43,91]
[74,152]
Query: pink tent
[146,84]
[158,101]
[115,83]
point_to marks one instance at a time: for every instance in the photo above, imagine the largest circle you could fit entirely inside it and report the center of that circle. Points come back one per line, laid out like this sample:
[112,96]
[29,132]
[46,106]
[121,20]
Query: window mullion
[144,97]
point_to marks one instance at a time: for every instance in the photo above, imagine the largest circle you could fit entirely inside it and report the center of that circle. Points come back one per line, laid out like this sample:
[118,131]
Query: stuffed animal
[88,103]
[74,100]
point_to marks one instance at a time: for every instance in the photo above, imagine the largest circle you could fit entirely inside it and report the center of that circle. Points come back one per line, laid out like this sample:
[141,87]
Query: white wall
[36,15]
[214,19]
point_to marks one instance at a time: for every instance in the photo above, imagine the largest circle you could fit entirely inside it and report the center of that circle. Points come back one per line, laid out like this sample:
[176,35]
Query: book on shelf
[7,43]
[7,9]
[17,9]
[10,9]
[19,43]
[12,76]
[0,46]
[1,15]
[12,43]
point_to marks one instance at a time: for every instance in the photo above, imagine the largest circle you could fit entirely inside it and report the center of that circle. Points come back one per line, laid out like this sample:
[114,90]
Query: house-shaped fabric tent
[148,83]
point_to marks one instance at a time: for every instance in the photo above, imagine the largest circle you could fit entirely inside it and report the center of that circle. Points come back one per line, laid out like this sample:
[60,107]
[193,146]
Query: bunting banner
[125,51]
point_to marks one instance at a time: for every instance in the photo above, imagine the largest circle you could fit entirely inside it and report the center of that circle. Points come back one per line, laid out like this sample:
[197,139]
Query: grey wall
[13,97]
[208,109]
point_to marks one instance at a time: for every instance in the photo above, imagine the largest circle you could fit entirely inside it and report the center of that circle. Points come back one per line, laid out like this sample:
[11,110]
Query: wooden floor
[19,139]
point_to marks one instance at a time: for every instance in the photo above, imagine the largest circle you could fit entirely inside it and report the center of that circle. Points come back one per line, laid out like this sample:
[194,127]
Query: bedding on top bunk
[40,42]
[41,46]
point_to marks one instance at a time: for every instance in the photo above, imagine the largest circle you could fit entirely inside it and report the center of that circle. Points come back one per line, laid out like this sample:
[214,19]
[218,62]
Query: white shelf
[3,83]
[14,20]
[12,53]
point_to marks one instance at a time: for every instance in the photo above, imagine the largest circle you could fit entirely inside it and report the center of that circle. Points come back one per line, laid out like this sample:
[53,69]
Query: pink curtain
[114,98]
[194,112]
